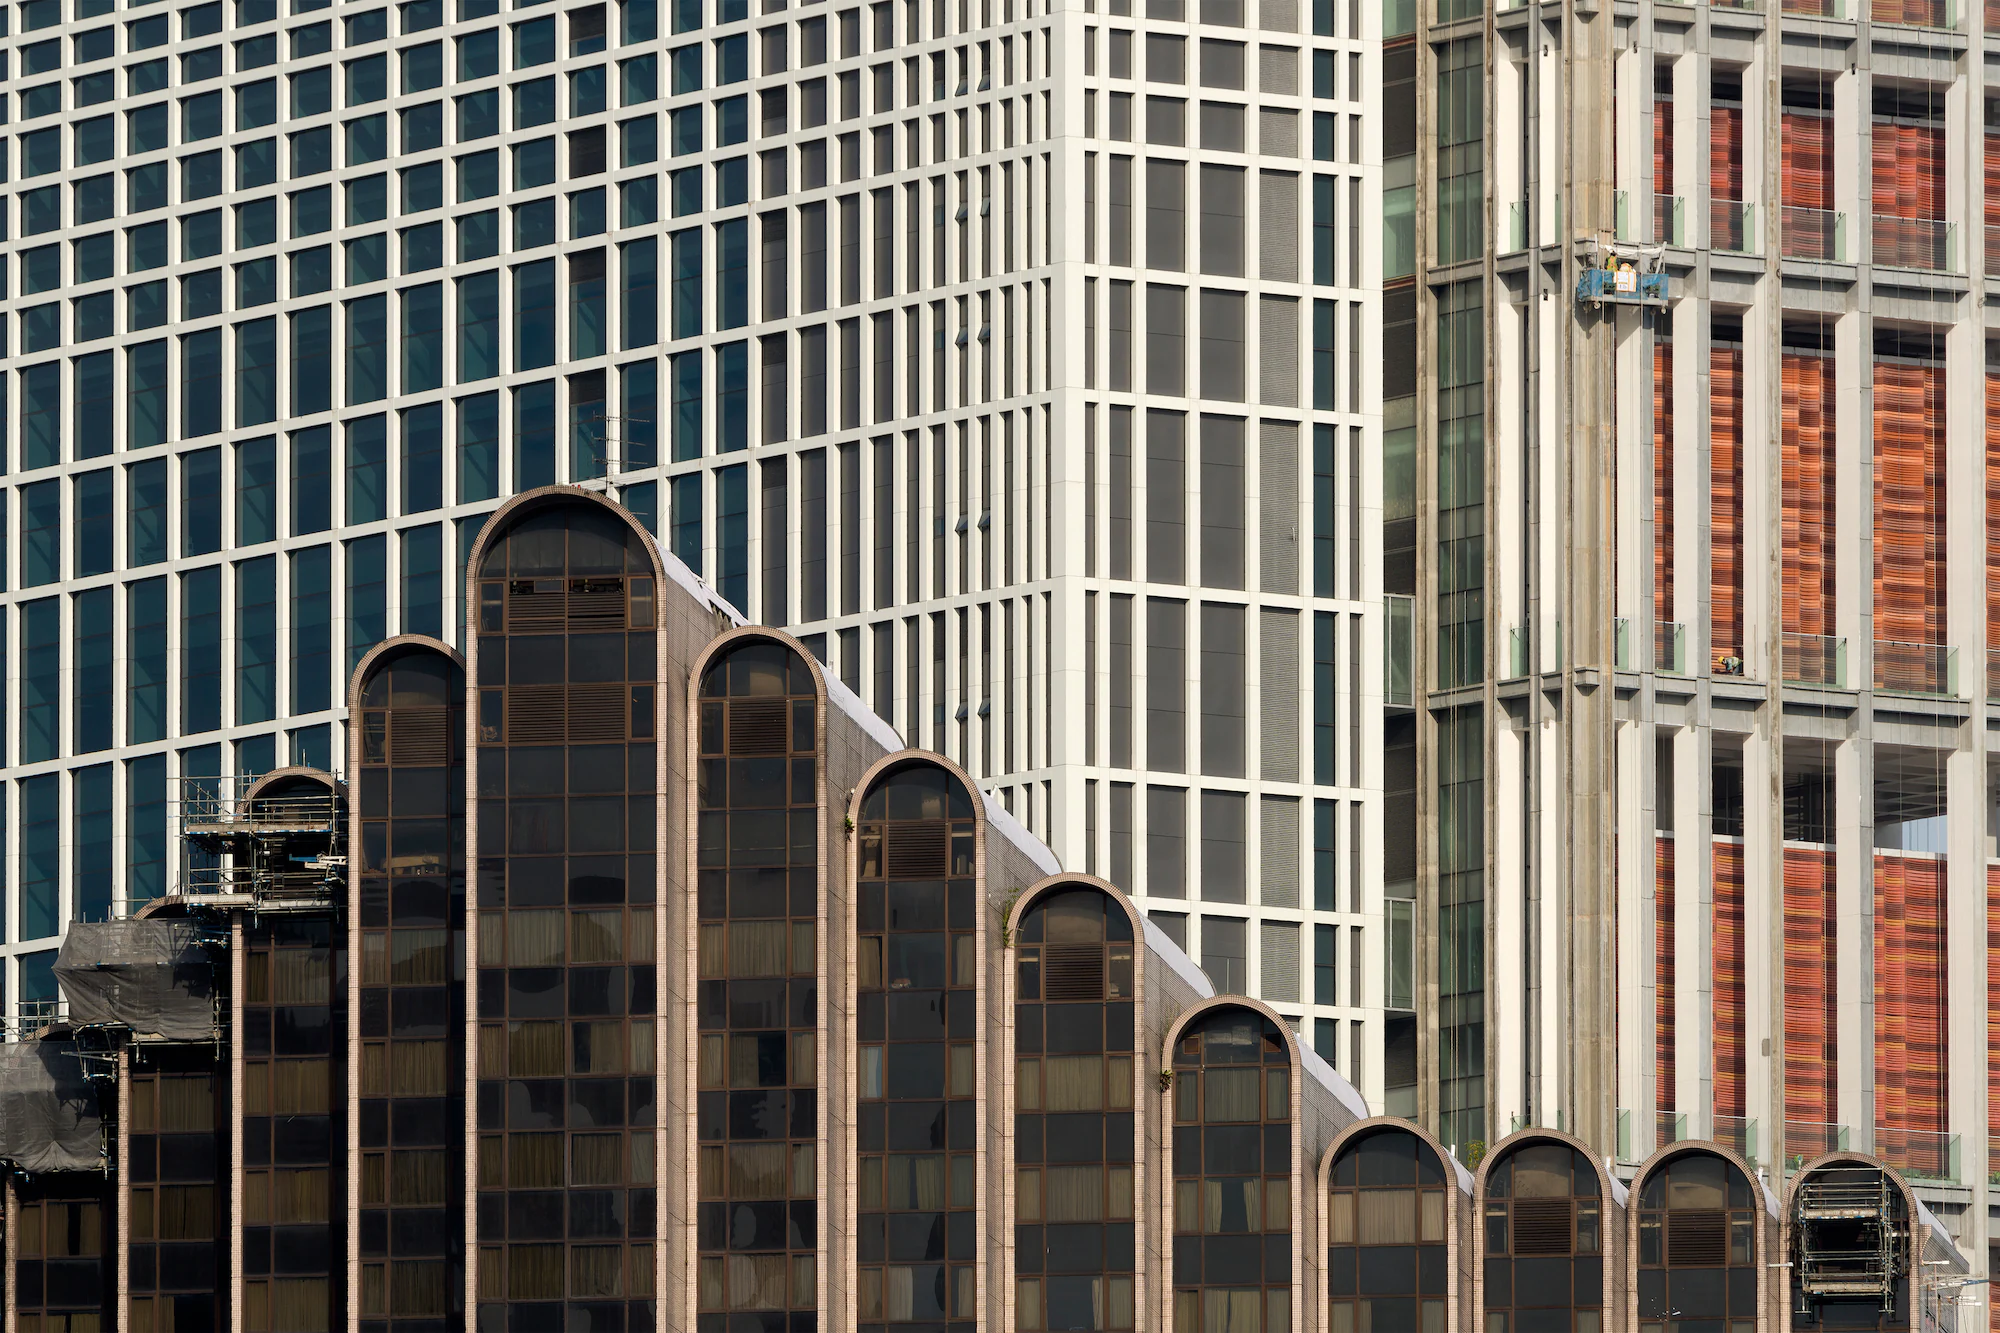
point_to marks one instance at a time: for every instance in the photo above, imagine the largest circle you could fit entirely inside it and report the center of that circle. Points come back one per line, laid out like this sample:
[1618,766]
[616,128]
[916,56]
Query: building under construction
[633,977]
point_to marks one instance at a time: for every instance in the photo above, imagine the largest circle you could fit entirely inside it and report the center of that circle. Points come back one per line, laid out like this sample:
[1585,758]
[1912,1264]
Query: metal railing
[1921,243]
[1737,1133]
[1925,1154]
[1668,220]
[1815,659]
[1732,225]
[1807,1139]
[1812,233]
[1916,668]
[30,1017]
[1670,647]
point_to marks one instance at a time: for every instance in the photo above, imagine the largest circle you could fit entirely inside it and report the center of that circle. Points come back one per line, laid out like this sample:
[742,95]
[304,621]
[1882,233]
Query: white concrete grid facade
[833,290]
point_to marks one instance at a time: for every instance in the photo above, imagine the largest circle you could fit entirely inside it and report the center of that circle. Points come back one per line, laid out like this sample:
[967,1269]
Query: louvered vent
[759,726]
[535,715]
[596,713]
[597,603]
[1073,972]
[916,851]
[535,606]
[1698,1238]
[417,737]
[1541,1226]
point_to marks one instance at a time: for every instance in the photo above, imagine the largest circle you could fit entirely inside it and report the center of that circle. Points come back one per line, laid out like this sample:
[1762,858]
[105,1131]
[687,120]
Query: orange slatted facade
[1725,152]
[1909,170]
[1993,1004]
[1663,480]
[1663,972]
[1993,172]
[1725,503]
[1809,493]
[1910,1047]
[1808,160]
[1811,986]
[1663,147]
[1909,504]
[1726,952]
[1992,508]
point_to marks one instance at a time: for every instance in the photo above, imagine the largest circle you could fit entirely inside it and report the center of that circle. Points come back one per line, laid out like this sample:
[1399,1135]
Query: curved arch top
[527,504]
[1360,1129]
[730,640]
[1041,888]
[1179,1027]
[274,782]
[1663,1157]
[385,653]
[962,803]
[1609,1186]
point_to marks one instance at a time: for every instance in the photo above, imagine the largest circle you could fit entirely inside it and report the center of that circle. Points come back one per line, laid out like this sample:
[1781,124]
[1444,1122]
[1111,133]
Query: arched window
[410,806]
[758,992]
[1850,1249]
[1385,1248]
[916,1018]
[1232,1175]
[1073,1035]
[1697,1247]
[1544,1242]
[566,776]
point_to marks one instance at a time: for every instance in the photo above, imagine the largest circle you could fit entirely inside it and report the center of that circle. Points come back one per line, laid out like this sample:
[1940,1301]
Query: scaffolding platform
[272,842]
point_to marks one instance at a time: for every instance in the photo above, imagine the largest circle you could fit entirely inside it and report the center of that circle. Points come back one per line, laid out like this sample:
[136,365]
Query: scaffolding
[268,843]
[1850,1238]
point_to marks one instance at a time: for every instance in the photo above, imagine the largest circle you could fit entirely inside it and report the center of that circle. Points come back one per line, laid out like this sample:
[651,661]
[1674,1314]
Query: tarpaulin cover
[150,976]
[49,1117]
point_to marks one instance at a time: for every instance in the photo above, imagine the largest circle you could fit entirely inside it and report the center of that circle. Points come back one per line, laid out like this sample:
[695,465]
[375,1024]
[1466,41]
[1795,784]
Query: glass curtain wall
[566,772]
[757,1065]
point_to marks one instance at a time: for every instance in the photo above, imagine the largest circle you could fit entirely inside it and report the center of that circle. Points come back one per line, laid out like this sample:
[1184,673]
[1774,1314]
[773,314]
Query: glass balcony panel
[1810,233]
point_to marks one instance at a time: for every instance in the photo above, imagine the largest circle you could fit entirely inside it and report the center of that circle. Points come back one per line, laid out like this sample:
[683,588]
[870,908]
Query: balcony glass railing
[1807,1139]
[1813,233]
[1916,668]
[1621,643]
[1992,245]
[1517,652]
[1993,673]
[1815,659]
[1752,6]
[1922,243]
[1925,1154]
[1732,225]
[1668,1128]
[1399,652]
[1738,1133]
[1667,220]
[1670,647]
[1826,9]
[1517,226]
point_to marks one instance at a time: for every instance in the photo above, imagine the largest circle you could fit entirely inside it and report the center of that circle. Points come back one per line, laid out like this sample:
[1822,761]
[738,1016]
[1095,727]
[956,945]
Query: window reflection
[567,770]
[1697,1248]
[1386,1247]
[917,1014]
[1543,1239]
[1232,1200]
[757,969]
[1074,1122]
